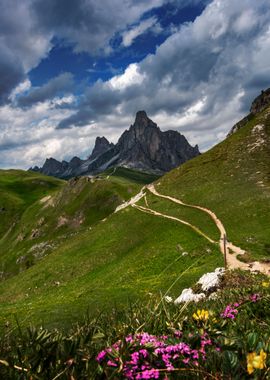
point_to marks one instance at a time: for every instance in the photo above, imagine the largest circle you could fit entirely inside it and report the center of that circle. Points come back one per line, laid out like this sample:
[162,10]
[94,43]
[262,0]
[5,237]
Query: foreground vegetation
[225,338]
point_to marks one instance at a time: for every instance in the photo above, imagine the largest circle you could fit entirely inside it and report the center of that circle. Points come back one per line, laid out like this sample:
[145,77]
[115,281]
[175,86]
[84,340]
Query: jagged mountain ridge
[143,146]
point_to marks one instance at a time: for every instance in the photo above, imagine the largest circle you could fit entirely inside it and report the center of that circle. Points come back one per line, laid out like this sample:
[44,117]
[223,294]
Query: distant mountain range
[143,146]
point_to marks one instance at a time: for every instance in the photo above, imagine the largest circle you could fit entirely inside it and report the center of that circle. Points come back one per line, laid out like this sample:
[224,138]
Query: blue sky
[90,68]
[73,70]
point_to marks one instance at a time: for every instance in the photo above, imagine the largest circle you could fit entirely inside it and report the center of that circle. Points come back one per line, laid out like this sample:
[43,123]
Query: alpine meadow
[144,254]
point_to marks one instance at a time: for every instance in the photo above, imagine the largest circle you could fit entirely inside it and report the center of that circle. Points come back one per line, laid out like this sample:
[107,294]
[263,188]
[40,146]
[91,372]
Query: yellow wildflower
[265,284]
[201,315]
[255,361]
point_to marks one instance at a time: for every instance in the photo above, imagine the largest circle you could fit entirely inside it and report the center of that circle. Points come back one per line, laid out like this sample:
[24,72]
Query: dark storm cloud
[21,46]
[56,86]
[222,56]
[27,29]
[89,25]
[11,73]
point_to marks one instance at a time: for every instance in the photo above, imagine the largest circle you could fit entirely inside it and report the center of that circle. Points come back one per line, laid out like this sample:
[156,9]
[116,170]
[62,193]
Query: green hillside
[233,180]
[103,258]
[18,190]
[40,213]
[107,259]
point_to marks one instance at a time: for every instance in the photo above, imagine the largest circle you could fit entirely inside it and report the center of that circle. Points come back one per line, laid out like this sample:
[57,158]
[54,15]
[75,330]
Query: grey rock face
[102,145]
[143,146]
[54,167]
[262,101]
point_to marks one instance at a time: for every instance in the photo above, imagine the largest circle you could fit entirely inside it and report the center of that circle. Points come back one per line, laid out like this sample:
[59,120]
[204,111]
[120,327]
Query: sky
[74,70]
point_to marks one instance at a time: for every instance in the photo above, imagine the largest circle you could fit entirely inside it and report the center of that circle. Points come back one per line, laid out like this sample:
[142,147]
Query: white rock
[184,253]
[187,295]
[212,279]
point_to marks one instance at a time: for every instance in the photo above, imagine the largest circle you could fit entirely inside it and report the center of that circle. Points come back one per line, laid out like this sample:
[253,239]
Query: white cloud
[131,76]
[20,89]
[130,35]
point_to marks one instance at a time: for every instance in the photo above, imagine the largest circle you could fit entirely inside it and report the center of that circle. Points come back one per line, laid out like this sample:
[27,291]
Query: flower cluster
[147,355]
[254,297]
[194,348]
[230,311]
[255,361]
[201,315]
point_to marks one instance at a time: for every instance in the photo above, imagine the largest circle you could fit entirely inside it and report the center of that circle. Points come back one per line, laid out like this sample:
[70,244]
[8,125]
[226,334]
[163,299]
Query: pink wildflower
[230,311]
[254,297]
[101,356]
[111,363]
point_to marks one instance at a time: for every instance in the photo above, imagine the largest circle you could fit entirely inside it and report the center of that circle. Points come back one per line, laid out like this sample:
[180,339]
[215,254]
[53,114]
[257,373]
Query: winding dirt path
[232,251]
[153,212]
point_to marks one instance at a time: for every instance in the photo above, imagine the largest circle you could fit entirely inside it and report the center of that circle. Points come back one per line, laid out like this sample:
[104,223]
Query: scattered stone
[62,220]
[187,295]
[211,280]
[208,283]
[168,299]
[41,221]
[40,250]
[21,259]
[35,233]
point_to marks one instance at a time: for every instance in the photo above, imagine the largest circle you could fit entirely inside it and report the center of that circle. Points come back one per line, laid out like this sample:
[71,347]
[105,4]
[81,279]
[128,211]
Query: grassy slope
[233,180]
[131,175]
[40,227]
[18,190]
[104,266]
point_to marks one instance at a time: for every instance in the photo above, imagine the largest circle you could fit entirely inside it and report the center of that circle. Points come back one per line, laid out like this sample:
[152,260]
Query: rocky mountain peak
[143,147]
[142,120]
[102,145]
[141,117]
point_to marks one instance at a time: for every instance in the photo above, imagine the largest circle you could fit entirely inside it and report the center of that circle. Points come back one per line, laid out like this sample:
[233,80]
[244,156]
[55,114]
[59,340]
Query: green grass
[193,216]
[40,227]
[18,190]
[103,266]
[131,175]
[228,179]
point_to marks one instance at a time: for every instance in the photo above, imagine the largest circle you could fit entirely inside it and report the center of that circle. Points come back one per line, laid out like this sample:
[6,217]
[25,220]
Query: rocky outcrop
[259,104]
[262,101]
[240,124]
[102,145]
[143,146]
